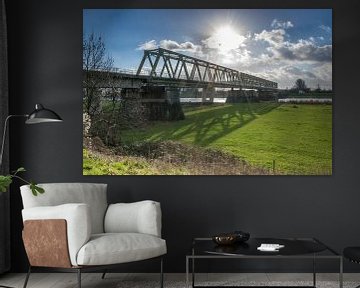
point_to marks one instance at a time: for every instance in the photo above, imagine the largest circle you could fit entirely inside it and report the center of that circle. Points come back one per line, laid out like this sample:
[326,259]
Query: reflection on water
[200,100]
[306,100]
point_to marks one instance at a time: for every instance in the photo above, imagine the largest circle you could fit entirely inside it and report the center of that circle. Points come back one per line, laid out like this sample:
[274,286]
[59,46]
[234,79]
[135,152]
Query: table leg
[187,272]
[314,271]
[193,272]
[341,273]
[193,267]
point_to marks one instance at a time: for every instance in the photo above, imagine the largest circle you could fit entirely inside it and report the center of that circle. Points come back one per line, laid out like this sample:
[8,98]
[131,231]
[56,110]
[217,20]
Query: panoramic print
[207,92]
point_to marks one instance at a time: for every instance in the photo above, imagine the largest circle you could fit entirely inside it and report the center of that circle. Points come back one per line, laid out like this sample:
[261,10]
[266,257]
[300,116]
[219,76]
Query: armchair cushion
[78,221]
[113,248]
[138,217]
[92,194]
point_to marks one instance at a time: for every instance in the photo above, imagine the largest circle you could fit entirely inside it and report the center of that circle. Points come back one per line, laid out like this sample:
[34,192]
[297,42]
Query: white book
[270,247]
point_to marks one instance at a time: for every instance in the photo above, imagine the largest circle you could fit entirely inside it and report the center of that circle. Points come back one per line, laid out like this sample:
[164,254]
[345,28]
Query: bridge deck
[169,68]
[129,80]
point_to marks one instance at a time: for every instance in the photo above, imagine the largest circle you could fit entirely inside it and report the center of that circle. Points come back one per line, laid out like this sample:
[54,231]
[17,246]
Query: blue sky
[279,44]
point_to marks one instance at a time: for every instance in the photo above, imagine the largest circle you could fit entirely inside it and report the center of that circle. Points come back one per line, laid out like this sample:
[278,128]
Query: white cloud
[224,40]
[235,57]
[147,45]
[175,46]
[170,45]
[323,73]
[325,28]
[302,50]
[286,75]
[305,50]
[274,37]
[284,61]
[298,72]
[316,39]
[269,54]
[226,47]
[281,24]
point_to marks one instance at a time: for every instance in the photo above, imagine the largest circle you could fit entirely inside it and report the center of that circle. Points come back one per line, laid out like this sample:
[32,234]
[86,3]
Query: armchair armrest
[138,217]
[77,219]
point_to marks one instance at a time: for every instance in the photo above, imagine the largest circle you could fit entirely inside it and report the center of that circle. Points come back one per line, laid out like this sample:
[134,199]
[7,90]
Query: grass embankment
[109,164]
[297,137]
[161,158]
[319,95]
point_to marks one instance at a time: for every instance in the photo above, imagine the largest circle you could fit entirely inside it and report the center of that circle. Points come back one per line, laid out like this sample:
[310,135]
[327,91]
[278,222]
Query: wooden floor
[115,280]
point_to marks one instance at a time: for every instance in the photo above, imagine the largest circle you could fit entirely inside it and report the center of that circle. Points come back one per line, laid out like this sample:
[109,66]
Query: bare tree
[96,68]
[109,107]
[97,87]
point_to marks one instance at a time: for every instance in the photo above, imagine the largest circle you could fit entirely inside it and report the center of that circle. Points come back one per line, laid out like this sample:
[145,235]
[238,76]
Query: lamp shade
[42,115]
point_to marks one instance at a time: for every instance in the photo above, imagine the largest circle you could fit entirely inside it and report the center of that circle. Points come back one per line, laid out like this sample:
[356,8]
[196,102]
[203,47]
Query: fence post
[273,166]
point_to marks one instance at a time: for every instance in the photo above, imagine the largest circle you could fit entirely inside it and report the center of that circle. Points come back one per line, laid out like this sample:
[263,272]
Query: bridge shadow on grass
[207,126]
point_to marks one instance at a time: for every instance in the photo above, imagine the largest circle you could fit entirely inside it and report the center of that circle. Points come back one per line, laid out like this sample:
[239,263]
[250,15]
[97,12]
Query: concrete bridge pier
[175,111]
[234,96]
[267,95]
[208,94]
[132,109]
[154,100]
[241,96]
[162,103]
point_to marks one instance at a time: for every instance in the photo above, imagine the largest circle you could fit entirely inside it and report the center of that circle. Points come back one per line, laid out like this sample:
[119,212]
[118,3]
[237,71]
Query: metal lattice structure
[166,64]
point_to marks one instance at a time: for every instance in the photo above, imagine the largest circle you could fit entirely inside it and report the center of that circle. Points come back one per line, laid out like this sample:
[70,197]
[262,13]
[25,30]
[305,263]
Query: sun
[227,39]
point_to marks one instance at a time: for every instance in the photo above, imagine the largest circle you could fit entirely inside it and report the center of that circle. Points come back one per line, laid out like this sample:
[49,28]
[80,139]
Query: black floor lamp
[39,115]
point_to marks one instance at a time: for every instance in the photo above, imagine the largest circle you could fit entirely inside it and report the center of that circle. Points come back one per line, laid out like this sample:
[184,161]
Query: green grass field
[297,137]
[94,164]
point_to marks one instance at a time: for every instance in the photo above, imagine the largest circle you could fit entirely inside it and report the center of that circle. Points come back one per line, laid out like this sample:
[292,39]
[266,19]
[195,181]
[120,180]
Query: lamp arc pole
[4,134]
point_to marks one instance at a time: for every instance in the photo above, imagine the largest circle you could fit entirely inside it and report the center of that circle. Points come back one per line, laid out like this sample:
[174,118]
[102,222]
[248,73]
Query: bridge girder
[175,66]
[126,80]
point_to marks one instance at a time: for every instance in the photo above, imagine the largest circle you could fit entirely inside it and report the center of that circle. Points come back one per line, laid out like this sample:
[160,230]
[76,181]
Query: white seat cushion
[113,248]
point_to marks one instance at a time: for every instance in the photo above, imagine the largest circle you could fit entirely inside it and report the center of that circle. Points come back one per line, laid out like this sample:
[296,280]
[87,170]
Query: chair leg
[161,273]
[79,277]
[103,275]
[27,277]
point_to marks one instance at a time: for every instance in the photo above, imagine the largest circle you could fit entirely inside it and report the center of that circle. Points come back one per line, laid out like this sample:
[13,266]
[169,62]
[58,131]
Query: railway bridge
[162,67]
[162,74]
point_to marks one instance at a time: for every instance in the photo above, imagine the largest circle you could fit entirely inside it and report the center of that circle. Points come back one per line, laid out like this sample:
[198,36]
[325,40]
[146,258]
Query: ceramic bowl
[225,239]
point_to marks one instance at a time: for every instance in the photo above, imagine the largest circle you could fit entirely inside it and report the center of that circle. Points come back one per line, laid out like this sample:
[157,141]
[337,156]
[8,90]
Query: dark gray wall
[45,39]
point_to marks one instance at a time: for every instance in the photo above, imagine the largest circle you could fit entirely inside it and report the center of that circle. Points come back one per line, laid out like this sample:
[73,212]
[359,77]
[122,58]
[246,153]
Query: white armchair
[72,228]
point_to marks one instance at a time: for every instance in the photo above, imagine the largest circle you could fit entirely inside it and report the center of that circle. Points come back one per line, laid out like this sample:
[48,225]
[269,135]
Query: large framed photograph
[207,92]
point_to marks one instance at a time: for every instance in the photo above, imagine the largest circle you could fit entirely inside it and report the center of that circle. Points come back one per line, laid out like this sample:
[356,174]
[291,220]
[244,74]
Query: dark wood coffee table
[294,248]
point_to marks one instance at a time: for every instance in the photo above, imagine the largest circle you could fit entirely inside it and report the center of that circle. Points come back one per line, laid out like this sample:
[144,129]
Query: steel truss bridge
[175,66]
[162,67]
